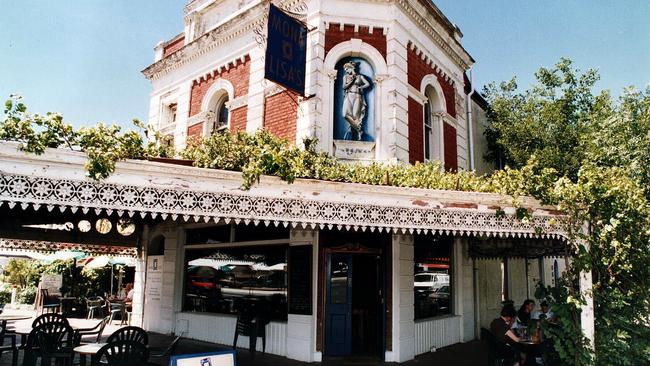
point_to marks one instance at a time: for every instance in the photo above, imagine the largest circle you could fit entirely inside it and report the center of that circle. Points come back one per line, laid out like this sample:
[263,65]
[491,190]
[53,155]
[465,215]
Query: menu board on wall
[300,260]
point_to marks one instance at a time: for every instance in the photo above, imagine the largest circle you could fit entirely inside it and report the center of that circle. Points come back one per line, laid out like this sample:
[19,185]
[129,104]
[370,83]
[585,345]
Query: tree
[548,120]
[601,147]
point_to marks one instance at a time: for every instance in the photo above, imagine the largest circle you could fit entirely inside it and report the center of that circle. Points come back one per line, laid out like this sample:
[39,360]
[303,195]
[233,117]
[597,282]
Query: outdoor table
[11,318]
[89,349]
[23,331]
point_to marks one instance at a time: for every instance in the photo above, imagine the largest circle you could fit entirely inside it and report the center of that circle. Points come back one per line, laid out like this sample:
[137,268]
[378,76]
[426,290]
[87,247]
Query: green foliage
[601,152]
[569,344]
[104,145]
[22,273]
[547,121]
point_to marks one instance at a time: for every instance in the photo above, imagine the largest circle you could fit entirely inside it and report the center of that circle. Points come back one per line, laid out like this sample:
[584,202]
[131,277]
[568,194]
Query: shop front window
[232,280]
[432,280]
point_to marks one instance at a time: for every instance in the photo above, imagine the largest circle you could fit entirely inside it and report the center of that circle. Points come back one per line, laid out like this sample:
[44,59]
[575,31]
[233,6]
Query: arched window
[432,126]
[221,114]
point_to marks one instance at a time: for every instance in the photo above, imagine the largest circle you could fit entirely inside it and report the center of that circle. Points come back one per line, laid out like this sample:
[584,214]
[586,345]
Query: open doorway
[354,311]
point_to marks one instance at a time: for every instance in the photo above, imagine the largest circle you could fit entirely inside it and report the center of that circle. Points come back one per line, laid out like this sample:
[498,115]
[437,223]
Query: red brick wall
[281,114]
[334,36]
[237,75]
[195,131]
[451,148]
[173,46]
[238,119]
[417,69]
[416,131]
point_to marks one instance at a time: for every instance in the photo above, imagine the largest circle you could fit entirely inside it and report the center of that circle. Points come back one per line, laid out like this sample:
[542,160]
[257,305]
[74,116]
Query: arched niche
[373,66]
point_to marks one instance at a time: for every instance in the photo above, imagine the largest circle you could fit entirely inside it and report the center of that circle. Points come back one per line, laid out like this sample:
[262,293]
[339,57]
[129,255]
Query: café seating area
[52,338]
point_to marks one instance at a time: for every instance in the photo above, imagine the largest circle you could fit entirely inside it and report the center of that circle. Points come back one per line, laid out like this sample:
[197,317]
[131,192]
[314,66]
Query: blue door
[338,309]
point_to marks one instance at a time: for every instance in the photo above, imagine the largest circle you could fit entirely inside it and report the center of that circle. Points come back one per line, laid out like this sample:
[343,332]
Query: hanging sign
[286,51]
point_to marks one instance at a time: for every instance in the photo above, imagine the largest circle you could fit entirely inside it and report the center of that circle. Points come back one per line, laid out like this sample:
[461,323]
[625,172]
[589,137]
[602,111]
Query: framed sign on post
[221,358]
[286,51]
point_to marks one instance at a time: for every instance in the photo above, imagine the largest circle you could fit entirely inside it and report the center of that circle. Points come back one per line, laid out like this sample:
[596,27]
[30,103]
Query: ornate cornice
[51,247]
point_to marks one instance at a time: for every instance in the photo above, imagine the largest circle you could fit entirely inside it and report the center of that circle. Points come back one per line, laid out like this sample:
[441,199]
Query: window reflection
[232,280]
[339,281]
[432,280]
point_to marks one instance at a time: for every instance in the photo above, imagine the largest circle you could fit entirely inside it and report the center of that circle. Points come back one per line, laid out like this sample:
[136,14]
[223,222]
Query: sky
[83,58]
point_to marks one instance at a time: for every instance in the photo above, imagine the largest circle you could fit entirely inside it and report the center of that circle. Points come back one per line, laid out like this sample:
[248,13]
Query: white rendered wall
[403,298]
[490,284]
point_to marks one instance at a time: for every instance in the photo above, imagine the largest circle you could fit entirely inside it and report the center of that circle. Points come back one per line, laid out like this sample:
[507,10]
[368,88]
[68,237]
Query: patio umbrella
[64,255]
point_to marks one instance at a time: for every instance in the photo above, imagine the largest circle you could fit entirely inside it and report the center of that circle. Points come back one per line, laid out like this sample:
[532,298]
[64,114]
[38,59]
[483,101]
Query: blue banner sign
[286,51]
[222,358]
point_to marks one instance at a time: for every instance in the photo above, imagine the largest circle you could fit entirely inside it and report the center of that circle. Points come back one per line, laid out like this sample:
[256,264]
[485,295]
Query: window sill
[433,318]
[233,316]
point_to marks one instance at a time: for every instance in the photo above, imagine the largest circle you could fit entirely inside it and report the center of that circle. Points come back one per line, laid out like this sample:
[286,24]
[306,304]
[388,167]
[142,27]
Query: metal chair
[49,318]
[49,302]
[12,347]
[49,341]
[121,353]
[135,334]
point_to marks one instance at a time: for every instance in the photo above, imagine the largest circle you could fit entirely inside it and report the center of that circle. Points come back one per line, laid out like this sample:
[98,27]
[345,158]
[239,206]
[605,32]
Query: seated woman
[524,313]
[501,329]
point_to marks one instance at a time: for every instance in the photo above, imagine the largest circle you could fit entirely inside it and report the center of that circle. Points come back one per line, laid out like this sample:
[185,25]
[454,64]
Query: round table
[11,318]
[89,349]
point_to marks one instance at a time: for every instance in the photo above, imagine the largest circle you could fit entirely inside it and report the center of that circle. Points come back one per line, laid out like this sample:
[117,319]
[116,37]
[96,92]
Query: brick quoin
[451,148]
[334,36]
[173,46]
[417,69]
[281,114]
[416,131]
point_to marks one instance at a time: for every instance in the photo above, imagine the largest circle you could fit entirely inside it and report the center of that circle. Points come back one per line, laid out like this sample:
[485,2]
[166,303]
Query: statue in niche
[354,102]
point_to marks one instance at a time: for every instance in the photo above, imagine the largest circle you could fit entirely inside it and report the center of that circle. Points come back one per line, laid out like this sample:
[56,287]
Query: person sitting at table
[501,329]
[524,313]
[544,312]
[129,292]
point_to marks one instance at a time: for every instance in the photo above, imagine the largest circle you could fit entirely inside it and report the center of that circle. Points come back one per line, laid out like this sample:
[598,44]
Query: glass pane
[339,281]
[432,280]
[232,280]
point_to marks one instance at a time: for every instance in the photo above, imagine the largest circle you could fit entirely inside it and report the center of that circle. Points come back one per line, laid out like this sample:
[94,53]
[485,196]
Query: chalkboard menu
[300,259]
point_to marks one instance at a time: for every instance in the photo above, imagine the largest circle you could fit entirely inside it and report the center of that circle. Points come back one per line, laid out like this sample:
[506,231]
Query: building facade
[332,269]
[414,103]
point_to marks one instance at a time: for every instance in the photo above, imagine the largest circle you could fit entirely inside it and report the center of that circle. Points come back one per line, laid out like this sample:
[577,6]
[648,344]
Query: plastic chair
[117,308]
[135,334]
[49,341]
[49,318]
[48,302]
[499,353]
[253,327]
[94,304]
[167,352]
[12,347]
[96,330]
[121,353]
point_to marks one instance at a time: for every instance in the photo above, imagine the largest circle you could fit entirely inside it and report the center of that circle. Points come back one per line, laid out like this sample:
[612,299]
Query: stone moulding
[275,207]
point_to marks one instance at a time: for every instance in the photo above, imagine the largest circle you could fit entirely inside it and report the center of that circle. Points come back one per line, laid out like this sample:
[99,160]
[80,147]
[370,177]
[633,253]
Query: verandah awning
[56,181]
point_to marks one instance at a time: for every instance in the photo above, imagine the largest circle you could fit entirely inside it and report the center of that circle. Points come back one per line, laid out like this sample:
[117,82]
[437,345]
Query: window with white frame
[432,125]
[432,282]
[221,117]
[230,269]
[168,115]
